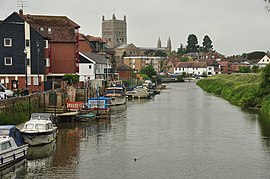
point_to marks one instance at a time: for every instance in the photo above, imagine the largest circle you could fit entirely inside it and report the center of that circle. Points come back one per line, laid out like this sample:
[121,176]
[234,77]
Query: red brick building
[63,43]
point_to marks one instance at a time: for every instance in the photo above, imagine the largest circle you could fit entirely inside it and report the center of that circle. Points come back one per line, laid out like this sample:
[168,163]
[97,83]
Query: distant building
[194,68]
[115,31]
[94,66]
[168,48]
[137,62]
[264,61]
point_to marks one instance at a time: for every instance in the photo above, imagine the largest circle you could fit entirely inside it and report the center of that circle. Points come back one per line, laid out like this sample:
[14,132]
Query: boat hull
[118,100]
[9,157]
[39,138]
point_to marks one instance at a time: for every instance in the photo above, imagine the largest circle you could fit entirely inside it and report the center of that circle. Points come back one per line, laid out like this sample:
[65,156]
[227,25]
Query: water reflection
[17,170]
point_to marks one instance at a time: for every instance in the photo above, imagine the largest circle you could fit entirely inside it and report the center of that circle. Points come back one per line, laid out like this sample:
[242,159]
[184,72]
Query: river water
[181,133]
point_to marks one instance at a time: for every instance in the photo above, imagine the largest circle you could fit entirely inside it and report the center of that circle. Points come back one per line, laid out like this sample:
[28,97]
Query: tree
[160,54]
[207,44]
[71,78]
[244,69]
[149,71]
[265,80]
[181,49]
[192,44]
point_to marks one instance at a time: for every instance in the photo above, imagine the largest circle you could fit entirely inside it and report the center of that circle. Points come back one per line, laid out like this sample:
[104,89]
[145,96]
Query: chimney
[21,12]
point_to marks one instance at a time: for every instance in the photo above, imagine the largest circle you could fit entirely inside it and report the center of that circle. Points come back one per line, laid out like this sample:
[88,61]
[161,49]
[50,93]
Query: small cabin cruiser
[39,129]
[138,92]
[117,94]
[12,144]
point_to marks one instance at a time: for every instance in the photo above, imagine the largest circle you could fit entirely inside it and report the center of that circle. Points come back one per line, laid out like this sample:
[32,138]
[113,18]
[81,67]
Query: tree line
[193,46]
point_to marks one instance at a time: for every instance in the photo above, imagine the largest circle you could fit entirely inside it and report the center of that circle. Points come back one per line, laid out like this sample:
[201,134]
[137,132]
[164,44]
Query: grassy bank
[243,90]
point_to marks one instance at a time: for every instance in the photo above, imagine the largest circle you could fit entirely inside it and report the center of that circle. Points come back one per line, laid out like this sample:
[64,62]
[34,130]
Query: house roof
[56,28]
[192,65]
[94,57]
[124,67]
[95,39]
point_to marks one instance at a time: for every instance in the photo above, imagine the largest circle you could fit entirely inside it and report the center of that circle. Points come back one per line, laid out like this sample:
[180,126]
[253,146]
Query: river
[181,133]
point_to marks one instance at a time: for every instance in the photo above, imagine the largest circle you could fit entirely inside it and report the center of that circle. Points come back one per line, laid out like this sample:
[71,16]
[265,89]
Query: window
[5,145]
[46,44]
[28,80]
[7,42]
[27,43]
[8,61]
[27,61]
[41,29]
[35,80]
[49,30]
[90,66]
[47,62]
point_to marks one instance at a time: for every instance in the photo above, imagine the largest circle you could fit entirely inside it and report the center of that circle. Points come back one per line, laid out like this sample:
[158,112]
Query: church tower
[159,43]
[115,31]
[169,45]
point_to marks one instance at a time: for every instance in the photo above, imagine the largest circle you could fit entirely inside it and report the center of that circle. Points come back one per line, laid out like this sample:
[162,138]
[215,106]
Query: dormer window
[49,30]
[7,42]
[41,29]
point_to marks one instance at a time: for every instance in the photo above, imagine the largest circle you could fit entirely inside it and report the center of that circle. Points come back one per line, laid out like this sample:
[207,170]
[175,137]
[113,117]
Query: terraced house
[37,50]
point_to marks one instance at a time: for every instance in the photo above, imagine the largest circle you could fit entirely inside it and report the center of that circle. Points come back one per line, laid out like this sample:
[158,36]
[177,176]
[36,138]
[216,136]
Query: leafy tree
[160,54]
[192,43]
[149,52]
[244,69]
[265,80]
[71,78]
[207,44]
[255,55]
[181,49]
[149,71]
[184,59]
[255,69]
[204,74]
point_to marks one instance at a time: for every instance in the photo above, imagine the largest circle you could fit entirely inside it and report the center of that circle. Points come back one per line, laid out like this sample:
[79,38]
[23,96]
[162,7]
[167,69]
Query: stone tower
[169,45]
[159,43]
[115,31]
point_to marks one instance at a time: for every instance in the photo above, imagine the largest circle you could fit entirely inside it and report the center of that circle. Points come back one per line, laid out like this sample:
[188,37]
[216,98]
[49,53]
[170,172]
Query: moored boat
[116,93]
[39,129]
[138,92]
[12,144]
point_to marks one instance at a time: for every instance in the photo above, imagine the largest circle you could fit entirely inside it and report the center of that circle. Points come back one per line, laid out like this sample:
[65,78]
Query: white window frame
[5,61]
[29,80]
[10,42]
[46,44]
[35,80]
[47,62]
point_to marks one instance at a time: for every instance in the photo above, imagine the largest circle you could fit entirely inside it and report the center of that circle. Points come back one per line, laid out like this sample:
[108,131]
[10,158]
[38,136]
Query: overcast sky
[234,26]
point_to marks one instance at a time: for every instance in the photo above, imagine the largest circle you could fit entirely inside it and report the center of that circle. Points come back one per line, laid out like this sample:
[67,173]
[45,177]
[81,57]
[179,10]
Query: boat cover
[12,131]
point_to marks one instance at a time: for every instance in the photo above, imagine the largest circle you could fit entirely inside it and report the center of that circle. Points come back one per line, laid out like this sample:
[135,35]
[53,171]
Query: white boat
[39,129]
[117,94]
[138,92]
[12,144]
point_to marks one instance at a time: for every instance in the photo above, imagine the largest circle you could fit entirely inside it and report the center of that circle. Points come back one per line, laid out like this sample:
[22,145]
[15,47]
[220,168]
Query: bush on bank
[243,90]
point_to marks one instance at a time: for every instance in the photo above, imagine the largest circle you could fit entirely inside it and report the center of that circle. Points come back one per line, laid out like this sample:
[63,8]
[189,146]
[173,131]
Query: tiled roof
[95,39]
[124,67]
[56,28]
[99,59]
[192,65]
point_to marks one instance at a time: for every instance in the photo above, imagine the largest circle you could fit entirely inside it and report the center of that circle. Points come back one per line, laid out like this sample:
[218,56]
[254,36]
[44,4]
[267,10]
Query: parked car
[5,92]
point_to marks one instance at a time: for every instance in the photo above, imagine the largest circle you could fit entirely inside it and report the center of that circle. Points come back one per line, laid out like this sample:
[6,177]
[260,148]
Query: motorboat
[116,93]
[39,129]
[13,148]
[138,92]
[100,106]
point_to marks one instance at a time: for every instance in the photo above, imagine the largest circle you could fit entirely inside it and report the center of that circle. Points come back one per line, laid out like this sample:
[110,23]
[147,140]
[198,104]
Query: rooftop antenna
[22,4]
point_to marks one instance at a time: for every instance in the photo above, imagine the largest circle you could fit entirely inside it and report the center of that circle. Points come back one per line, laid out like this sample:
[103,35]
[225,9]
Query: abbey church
[115,31]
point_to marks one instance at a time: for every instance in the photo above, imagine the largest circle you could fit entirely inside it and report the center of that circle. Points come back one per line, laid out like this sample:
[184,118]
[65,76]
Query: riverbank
[243,90]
